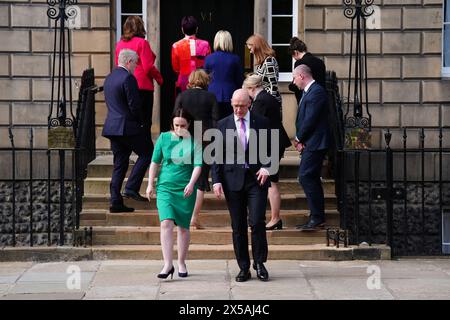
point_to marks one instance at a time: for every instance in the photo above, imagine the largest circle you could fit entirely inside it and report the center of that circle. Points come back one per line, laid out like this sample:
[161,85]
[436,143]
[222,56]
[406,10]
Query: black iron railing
[31,200]
[396,195]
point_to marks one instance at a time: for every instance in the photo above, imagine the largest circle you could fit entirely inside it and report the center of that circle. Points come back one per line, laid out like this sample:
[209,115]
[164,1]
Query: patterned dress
[269,70]
[188,54]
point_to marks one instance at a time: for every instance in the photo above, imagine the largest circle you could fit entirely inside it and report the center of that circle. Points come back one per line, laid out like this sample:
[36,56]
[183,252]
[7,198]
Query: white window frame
[445,71]
[119,15]
[284,76]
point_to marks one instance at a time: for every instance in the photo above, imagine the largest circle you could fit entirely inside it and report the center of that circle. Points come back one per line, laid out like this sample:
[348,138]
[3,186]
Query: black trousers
[248,204]
[147,108]
[309,176]
[122,146]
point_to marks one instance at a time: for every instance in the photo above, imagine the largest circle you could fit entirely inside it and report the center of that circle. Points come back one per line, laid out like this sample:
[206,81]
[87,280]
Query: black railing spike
[387,138]
[31,138]
[11,137]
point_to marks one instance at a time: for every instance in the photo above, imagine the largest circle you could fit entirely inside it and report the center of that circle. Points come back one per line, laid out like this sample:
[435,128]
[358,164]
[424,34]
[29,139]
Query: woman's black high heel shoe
[276,226]
[165,275]
[183,274]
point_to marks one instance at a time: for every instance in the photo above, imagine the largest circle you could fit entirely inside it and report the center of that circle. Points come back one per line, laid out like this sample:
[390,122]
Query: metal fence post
[389,188]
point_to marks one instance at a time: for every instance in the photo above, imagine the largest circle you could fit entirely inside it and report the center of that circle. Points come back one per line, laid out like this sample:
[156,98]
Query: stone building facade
[406,87]
[407,48]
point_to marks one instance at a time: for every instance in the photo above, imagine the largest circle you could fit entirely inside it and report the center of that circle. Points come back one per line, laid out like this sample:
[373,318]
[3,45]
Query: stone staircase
[136,235]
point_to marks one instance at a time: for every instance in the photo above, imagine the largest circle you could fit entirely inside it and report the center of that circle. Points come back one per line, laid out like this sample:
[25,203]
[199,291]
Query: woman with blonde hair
[266,64]
[266,105]
[202,105]
[225,70]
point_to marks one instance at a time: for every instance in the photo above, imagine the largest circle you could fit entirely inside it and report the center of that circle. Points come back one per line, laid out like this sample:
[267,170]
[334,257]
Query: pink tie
[243,135]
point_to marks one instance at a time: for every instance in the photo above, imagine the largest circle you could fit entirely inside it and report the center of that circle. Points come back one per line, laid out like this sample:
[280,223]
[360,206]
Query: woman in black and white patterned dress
[265,63]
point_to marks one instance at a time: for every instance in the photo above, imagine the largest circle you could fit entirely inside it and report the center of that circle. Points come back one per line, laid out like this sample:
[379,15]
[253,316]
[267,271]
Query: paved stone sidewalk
[214,279]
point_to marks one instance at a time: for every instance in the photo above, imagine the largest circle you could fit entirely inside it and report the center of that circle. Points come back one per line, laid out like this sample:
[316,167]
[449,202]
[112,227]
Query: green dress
[177,157]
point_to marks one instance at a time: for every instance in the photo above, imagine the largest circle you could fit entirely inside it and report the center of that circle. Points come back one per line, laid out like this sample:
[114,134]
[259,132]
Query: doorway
[236,16]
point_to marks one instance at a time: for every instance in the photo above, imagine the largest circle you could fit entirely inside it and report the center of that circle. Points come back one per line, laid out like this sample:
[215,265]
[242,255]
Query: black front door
[236,16]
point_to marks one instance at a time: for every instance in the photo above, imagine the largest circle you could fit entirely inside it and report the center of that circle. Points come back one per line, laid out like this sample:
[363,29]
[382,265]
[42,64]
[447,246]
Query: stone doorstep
[213,218]
[102,166]
[153,252]
[101,185]
[209,236]
[288,202]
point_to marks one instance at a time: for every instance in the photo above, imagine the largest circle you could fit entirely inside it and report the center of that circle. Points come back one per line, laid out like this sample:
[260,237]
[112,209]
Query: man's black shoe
[243,275]
[261,271]
[312,226]
[134,195]
[120,208]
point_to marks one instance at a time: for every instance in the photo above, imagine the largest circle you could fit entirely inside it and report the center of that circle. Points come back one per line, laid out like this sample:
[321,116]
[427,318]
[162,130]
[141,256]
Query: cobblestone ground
[214,279]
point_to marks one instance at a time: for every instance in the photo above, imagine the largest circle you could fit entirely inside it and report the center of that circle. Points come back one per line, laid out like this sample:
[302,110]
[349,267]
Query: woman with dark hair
[266,64]
[203,107]
[189,53]
[133,38]
[180,160]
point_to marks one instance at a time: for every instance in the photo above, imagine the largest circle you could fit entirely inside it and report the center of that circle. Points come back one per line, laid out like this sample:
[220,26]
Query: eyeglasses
[240,106]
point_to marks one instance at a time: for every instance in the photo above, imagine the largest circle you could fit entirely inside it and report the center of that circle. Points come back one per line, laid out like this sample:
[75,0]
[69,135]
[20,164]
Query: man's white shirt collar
[308,86]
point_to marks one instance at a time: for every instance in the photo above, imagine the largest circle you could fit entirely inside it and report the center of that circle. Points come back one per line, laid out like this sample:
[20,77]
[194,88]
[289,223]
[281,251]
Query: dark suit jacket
[312,119]
[318,70]
[124,116]
[226,73]
[266,105]
[232,175]
[201,104]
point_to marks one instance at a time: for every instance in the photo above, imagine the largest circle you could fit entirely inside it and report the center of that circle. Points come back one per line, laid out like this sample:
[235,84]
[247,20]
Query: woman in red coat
[134,38]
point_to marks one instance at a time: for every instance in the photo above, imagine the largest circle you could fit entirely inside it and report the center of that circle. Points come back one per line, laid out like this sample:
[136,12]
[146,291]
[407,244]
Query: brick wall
[404,60]
[26,48]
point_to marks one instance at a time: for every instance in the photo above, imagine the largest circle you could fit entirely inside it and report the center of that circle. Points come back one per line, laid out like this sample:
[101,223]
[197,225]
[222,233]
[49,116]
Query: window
[283,25]
[446,41]
[126,8]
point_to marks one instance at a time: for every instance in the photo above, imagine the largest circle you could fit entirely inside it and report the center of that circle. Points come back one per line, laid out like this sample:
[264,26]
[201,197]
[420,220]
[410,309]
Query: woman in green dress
[180,159]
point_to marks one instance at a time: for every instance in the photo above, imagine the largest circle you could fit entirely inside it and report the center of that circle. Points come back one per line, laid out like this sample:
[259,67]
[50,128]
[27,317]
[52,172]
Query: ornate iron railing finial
[358,124]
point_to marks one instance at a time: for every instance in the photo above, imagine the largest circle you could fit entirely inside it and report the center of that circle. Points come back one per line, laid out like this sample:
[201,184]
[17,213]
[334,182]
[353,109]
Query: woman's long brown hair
[133,27]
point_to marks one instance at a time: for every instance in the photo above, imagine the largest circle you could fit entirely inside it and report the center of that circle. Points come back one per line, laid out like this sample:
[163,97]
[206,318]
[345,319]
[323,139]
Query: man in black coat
[244,182]
[300,53]
[124,128]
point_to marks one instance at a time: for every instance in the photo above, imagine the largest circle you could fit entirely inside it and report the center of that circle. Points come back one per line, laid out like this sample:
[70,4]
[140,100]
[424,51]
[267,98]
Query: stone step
[102,166]
[288,202]
[316,252]
[213,218]
[209,236]
[100,185]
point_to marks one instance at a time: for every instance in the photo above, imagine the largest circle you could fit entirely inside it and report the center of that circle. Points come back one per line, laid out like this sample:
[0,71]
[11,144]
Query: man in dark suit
[300,53]
[312,140]
[124,128]
[244,183]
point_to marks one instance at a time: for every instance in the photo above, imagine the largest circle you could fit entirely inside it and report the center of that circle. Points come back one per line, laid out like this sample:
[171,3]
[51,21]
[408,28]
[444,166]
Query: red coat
[145,70]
